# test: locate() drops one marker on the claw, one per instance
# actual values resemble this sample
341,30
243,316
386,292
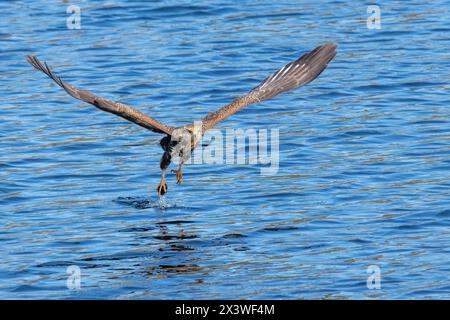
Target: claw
162,188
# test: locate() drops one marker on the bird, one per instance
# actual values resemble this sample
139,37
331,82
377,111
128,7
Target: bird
181,141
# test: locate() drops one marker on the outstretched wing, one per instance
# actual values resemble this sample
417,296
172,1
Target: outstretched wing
116,108
295,74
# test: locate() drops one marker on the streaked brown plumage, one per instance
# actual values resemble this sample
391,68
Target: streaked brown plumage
182,140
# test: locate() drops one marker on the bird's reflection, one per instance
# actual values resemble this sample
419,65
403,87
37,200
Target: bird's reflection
164,234
172,244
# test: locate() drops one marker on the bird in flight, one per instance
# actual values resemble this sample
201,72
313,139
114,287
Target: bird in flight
181,141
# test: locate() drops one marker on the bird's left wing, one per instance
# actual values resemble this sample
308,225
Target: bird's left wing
295,74
113,107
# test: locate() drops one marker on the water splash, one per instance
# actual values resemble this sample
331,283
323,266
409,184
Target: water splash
144,203
162,202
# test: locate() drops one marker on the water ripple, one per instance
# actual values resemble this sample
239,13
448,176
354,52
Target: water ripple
364,166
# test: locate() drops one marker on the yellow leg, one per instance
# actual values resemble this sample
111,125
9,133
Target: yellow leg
179,174
162,187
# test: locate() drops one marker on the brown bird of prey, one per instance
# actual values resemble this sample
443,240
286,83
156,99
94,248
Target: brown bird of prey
181,141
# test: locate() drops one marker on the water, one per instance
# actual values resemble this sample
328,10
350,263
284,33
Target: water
364,152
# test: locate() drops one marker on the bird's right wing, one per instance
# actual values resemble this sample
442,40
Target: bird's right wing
295,74
116,108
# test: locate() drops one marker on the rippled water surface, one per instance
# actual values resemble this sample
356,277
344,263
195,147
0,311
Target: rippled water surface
364,152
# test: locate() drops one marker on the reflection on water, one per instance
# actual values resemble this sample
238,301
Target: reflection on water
364,153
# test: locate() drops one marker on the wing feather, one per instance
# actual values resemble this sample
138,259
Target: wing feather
117,108
293,75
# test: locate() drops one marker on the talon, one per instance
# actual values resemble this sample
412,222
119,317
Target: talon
162,188
179,176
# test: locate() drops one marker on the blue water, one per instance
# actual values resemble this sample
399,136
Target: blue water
364,152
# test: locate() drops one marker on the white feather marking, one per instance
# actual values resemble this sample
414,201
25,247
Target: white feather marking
280,73
269,80
263,85
271,77
277,74
287,69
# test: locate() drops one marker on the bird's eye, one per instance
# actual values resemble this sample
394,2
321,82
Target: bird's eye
173,143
